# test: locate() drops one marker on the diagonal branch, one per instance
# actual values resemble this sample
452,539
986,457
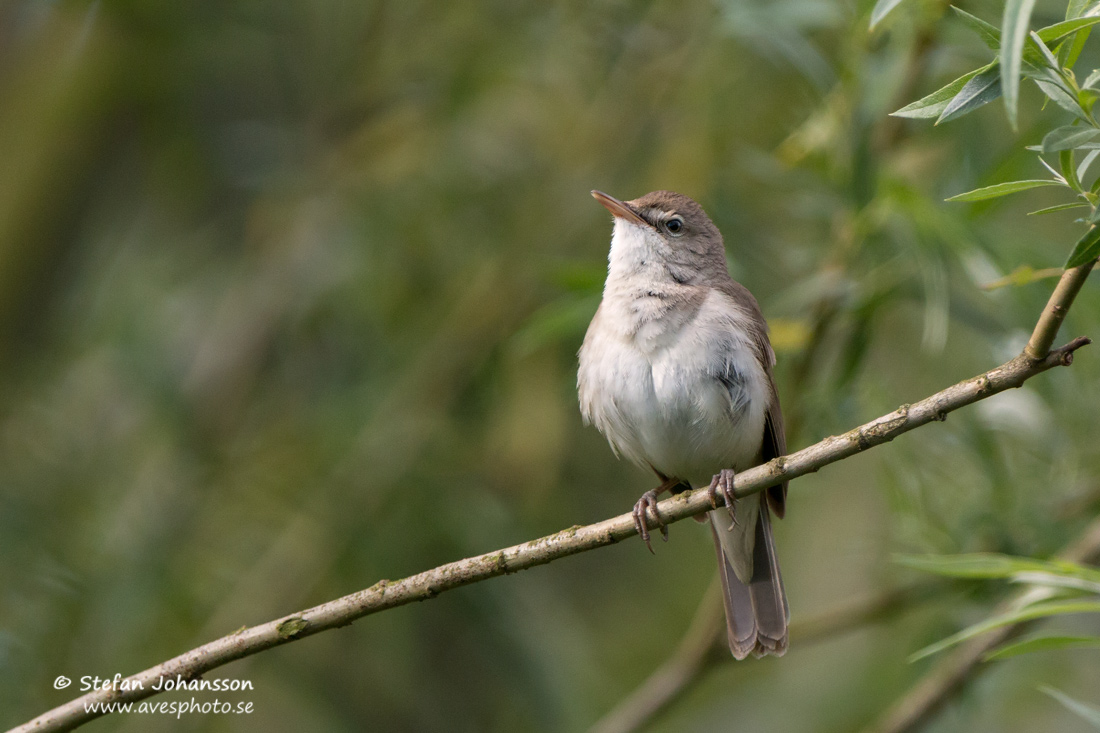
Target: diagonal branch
386,594
704,647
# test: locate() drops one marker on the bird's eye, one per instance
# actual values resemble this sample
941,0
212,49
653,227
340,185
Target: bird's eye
675,226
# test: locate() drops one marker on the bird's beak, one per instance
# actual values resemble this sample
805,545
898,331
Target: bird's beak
619,209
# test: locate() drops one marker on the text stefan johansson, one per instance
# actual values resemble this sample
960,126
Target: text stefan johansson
164,684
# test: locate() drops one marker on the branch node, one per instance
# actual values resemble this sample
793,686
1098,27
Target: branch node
292,627
778,466
498,562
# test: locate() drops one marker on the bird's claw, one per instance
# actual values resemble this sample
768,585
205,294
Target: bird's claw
648,501
722,483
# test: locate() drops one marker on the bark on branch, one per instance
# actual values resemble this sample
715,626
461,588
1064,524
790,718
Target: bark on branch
387,594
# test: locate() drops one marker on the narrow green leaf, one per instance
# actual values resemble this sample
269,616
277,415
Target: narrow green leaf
1083,169
994,565
1014,24
1083,710
935,103
1091,80
1054,88
1071,52
1059,207
1069,170
1046,54
1057,580
1056,174
1060,30
1023,275
980,90
1076,8
1030,613
1087,249
1042,644
881,10
986,31
1002,189
1068,137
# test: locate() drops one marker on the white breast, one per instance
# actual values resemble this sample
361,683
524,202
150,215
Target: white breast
650,385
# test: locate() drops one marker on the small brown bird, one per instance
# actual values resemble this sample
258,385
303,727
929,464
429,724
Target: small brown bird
676,372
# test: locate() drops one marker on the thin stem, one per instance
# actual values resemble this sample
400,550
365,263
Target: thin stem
1046,330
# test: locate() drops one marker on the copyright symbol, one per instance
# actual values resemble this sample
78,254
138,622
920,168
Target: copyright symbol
62,682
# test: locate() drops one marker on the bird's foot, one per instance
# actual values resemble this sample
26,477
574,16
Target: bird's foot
648,501
722,483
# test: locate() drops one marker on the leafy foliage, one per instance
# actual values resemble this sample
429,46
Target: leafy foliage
1027,54
290,298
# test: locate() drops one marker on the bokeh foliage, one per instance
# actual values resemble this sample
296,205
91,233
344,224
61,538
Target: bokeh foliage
290,296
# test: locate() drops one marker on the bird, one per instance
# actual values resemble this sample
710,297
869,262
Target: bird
676,371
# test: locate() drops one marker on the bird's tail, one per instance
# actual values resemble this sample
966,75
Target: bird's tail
757,614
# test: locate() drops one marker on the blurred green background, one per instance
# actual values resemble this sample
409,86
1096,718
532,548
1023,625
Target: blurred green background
290,300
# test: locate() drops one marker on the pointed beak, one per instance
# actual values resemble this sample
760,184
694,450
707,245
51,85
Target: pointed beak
619,209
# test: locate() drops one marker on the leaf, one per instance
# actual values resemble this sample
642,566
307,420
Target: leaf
973,565
881,10
1059,207
1069,171
1060,30
1073,51
1054,87
1014,24
1087,249
1042,644
1047,55
980,90
1056,174
1076,8
994,565
1068,137
1084,710
1084,167
1091,80
1023,275
1030,613
1055,580
935,103
987,31
1002,189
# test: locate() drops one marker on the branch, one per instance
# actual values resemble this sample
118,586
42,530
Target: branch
386,594
1050,320
704,647
950,676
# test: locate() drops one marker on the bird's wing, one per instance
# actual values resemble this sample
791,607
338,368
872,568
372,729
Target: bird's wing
775,439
